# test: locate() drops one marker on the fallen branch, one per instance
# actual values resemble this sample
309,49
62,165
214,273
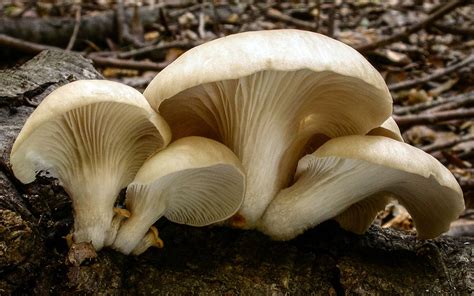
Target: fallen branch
440,146
441,104
280,16
35,48
433,76
450,6
95,28
431,118
158,47
455,30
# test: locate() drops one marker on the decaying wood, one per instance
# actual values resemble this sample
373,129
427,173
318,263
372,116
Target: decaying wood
57,31
213,261
100,61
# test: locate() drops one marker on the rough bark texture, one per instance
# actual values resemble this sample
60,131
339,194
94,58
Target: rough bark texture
212,261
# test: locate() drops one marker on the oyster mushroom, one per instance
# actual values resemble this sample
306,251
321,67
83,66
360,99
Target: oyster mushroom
194,181
93,135
265,94
366,170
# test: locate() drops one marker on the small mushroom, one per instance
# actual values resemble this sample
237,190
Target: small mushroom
194,181
93,135
359,216
265,94
368,169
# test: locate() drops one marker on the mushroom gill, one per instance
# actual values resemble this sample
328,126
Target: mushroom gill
93,136
264,95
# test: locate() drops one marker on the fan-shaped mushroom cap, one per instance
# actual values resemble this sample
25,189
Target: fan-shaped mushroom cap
348,170
359,216
194,181
264,94
93,135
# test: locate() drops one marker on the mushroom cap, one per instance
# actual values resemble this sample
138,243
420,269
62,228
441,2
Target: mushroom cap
264,95
194,181
205,179
243,54
93,135
388,129
354,169
72,96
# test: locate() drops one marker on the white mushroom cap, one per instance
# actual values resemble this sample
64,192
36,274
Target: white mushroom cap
194,181
388,129
93,135
264,95
353,169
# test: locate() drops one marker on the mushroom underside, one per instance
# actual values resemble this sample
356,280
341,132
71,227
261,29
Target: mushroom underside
94,151
328,186
268,117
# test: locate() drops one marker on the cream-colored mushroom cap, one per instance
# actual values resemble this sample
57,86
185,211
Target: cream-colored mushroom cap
93,135
194,181
388,129
264,94
349,170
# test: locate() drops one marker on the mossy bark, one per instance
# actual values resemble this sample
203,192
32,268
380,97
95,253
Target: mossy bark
35,218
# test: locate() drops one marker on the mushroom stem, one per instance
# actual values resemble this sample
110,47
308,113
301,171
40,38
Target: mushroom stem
91,223
132,231
135,228
338,187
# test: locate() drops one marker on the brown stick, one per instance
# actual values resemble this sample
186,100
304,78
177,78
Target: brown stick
433,76
75,31
280,16
455,30
158,47
34,48
440,146
450,6
431,118
441,104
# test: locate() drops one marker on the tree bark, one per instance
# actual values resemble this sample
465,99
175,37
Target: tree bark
326,260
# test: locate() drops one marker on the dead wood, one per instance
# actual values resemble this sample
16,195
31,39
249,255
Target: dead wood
57,31
99,61
431,118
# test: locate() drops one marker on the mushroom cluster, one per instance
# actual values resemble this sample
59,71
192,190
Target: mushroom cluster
278,130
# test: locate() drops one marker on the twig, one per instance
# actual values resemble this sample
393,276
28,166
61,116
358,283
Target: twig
128,64
431,118
157,47
34,48
280,16
77,25
331,19
454,30
450,6
24,46
440,146
202,24
433,76
440,104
